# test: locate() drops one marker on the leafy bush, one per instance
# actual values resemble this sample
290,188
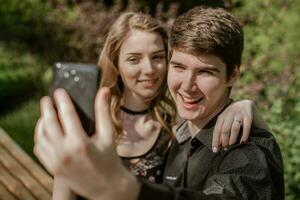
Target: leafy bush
19,75
86,23
271,75
31,23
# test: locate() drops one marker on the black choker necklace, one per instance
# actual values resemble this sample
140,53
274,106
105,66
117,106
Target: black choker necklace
133,112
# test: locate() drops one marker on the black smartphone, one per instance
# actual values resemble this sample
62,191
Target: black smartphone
81,81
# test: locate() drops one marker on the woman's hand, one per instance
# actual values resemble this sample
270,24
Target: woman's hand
236,115
89,166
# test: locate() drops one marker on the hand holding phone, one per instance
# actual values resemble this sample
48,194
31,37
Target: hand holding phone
81,81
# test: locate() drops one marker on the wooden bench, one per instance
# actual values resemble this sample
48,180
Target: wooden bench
20,176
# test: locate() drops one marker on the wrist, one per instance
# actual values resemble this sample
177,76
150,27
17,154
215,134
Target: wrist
130,188
125,186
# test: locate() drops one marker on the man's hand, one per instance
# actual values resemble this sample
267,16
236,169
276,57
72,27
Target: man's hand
89,166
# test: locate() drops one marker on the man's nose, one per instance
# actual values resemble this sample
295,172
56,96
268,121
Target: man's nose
188,83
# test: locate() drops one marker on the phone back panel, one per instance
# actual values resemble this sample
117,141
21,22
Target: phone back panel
81,81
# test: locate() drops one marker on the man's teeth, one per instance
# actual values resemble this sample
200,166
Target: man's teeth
191,100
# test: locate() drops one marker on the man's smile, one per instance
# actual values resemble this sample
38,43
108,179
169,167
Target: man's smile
190,102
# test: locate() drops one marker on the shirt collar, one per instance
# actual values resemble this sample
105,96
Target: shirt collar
182,132
204,135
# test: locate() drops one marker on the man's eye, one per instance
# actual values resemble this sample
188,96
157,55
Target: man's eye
205,72
178,67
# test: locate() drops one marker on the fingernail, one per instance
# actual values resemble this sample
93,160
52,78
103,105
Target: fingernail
59,94
59,91
215,149
225,149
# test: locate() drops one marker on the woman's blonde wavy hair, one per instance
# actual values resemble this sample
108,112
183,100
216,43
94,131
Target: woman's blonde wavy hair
162,105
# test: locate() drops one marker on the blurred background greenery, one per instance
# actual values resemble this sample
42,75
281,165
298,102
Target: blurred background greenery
36,33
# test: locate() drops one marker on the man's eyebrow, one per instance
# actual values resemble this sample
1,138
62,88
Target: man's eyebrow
210,68
176,63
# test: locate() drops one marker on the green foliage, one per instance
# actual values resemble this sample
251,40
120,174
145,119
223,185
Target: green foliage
33,24
36,33
271,75
20,123
21,19
286,129
19,74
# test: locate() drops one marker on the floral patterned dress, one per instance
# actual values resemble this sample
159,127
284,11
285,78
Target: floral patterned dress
152,163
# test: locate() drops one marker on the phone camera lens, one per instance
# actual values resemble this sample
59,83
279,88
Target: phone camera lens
66,74
58,65
73,71
76,78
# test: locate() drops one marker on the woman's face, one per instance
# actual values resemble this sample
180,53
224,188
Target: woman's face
142,64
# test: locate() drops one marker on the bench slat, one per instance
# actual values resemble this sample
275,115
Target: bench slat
13,185
5,195
22,175
34,169
21,178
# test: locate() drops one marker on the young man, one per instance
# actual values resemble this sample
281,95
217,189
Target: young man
205,55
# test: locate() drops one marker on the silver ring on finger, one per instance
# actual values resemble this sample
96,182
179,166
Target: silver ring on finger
239,121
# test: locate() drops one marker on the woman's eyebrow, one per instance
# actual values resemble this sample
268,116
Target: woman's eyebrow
133,53
155,52
159,51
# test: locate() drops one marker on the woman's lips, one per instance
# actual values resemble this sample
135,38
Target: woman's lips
148,83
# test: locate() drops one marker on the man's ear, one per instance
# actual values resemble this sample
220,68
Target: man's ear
234,76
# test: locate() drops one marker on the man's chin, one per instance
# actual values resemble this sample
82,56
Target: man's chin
191,116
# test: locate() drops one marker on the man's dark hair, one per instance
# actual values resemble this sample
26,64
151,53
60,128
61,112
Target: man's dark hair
204,30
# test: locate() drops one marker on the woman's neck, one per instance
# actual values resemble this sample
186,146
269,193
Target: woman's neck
134,102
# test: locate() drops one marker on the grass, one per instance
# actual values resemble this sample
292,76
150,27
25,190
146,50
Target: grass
20,123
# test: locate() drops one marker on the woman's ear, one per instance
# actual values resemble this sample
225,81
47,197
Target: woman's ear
234,76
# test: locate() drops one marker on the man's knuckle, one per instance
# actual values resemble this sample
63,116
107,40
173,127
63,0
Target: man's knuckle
235,128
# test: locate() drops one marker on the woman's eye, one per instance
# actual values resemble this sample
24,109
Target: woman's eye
133,60
159,57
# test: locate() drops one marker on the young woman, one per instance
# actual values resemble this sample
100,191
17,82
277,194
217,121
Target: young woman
134,66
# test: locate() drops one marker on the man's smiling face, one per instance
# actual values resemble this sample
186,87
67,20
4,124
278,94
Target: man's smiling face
198,84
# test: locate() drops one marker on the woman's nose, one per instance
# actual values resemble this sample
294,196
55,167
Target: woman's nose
148,66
